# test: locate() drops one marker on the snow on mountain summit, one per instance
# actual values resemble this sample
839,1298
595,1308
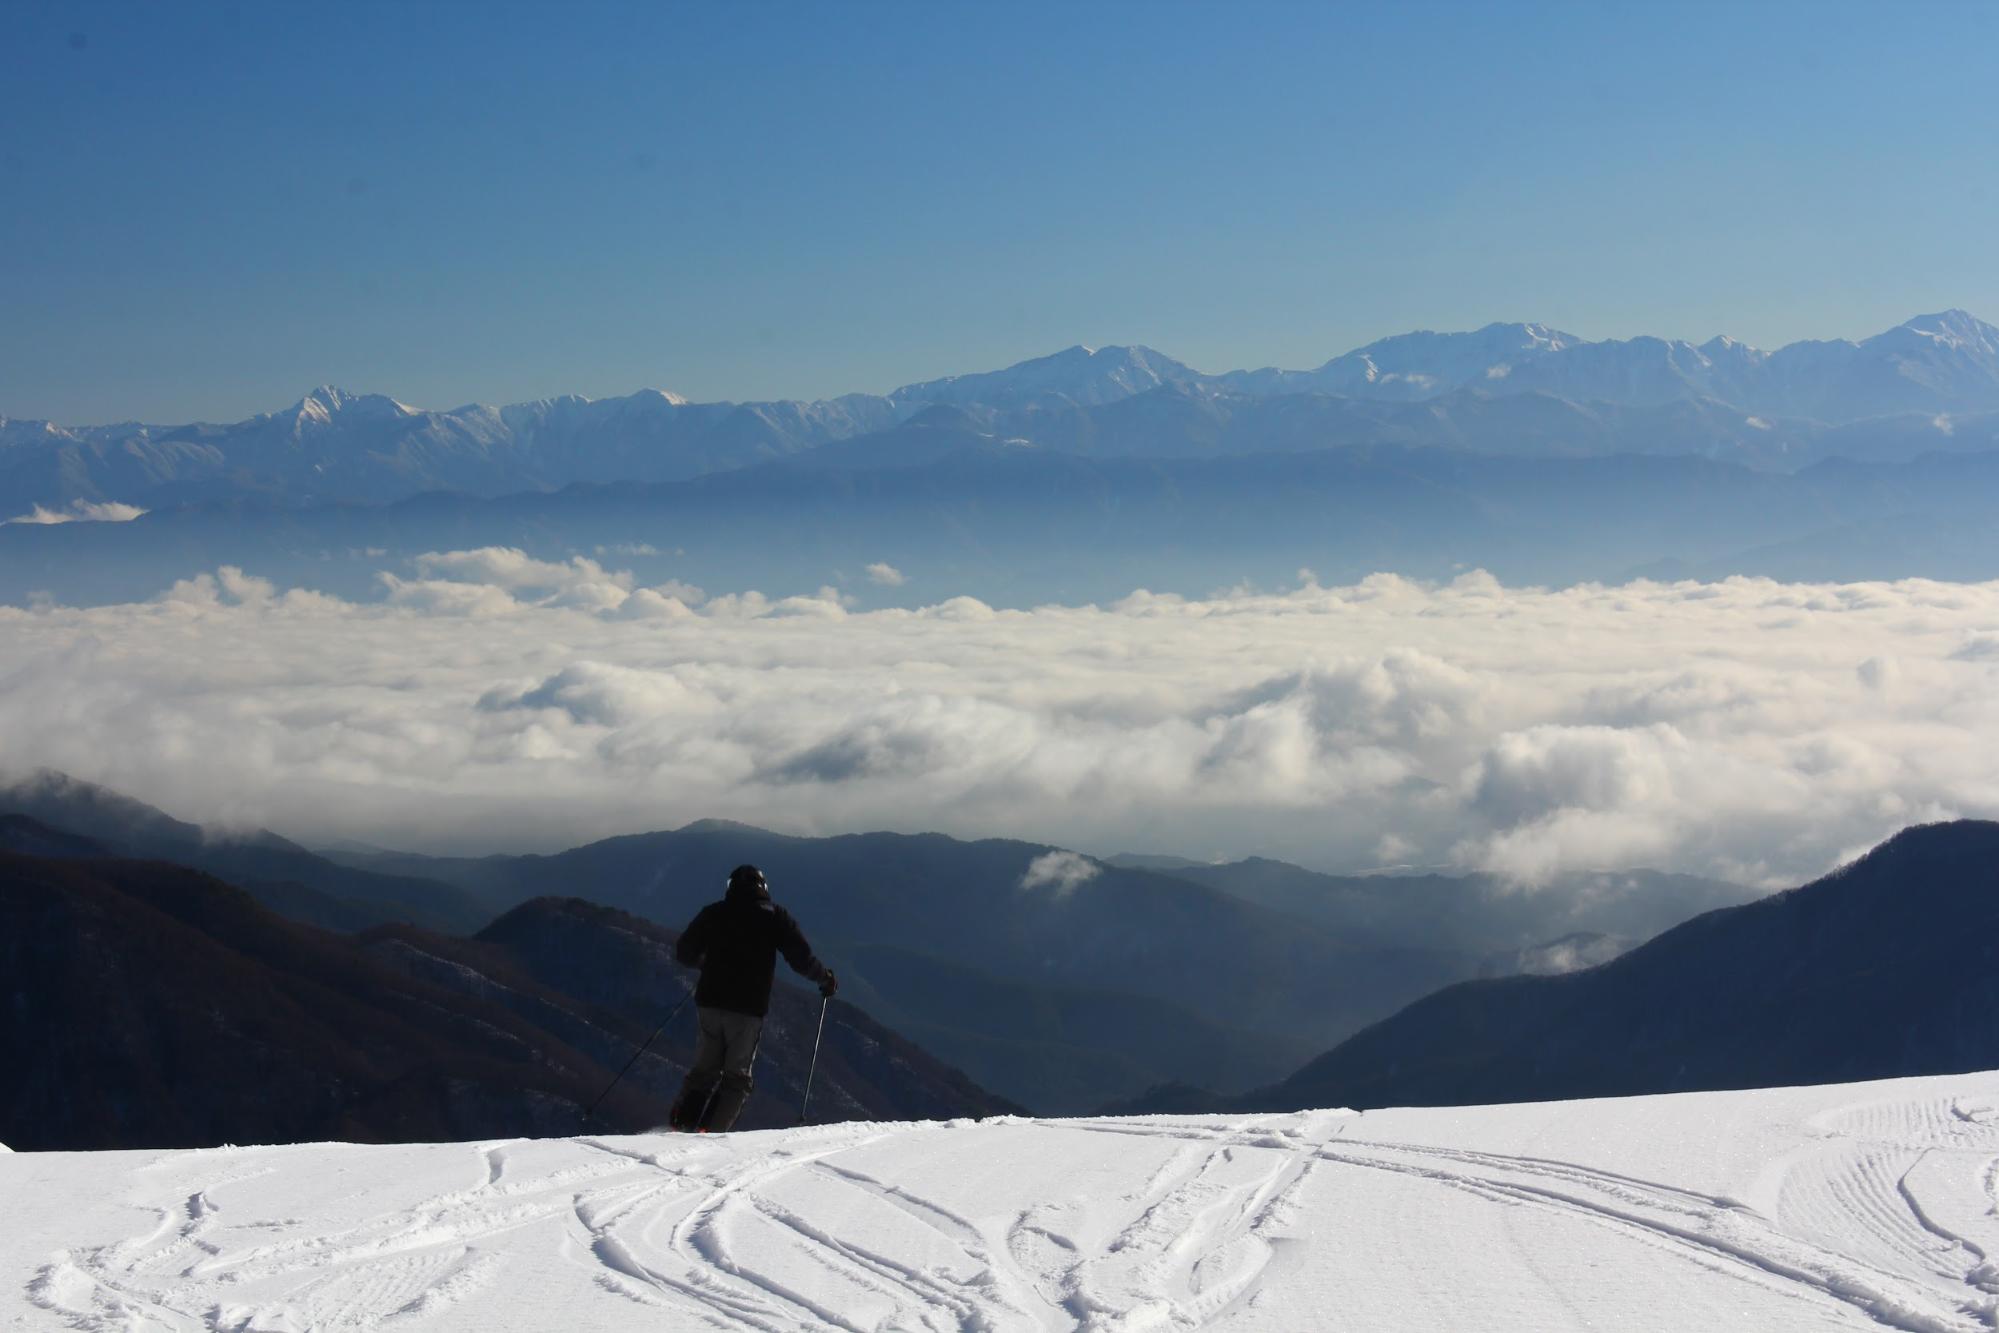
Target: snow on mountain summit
664,397
336,444
1413,366
326,402
1085,375
1957,332
1426,363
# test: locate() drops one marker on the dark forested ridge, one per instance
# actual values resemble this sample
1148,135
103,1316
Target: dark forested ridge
277,872
1888,967
154,1005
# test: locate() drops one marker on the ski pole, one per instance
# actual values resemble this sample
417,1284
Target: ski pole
636,1054
824,1000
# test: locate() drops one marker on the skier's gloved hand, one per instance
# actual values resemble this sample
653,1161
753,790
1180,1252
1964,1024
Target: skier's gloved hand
828,983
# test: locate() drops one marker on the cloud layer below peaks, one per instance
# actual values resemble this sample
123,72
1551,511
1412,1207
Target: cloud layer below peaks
1748,729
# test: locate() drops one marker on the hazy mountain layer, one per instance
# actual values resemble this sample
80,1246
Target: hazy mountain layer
1060,998
1476,913
1020,527
1067,995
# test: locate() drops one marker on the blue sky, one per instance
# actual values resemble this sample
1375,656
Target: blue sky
205,210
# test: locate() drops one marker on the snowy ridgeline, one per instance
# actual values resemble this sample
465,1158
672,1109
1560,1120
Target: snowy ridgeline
1864,1205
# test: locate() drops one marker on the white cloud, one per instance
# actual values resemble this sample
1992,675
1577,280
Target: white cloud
448,597
655,604
1392,851
230,586
1879,673
595,692
1745,729
82,511
580,581
1978,647
110,511
1061,872
885,574
486,581
958,608
41,515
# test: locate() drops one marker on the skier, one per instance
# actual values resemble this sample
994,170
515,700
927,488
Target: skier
735,943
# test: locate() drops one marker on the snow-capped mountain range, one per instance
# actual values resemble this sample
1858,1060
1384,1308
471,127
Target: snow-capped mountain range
1917,379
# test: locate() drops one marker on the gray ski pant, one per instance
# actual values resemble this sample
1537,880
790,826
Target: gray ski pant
719,1080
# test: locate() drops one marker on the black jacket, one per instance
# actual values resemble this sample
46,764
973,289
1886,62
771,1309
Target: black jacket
735,943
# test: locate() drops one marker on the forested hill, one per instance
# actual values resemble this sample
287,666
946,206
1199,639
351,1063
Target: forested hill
153,1005
1887,967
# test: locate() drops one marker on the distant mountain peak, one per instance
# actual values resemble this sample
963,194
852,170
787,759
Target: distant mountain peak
659,398
715,825
1085,375
1127,352
1919,842
1956,328
1540,336
77,806
326,402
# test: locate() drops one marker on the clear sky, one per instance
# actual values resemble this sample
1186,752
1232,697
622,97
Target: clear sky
206,210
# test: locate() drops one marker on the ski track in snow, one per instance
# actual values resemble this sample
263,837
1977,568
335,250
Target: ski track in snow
1880,1210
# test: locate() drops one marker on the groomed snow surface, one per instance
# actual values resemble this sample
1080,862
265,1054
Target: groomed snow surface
1862,1206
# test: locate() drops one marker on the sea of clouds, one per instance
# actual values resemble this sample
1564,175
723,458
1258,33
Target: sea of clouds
1748,730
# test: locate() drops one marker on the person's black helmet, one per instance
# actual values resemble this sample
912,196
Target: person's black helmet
748,881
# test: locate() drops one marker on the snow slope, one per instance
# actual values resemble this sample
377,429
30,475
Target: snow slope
1866,1205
